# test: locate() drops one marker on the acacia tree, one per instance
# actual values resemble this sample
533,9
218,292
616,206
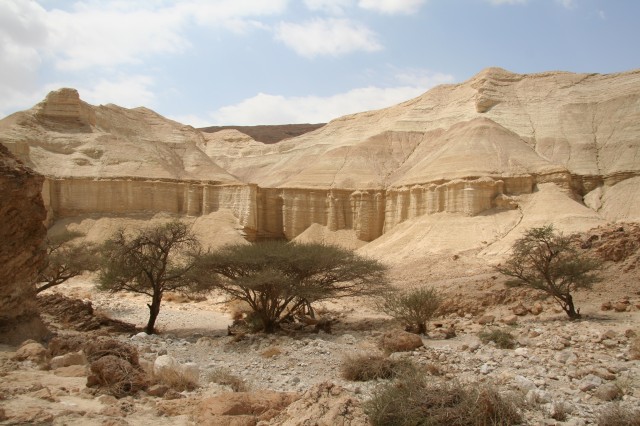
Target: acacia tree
278,277
67,258
152,261
414,307
550,262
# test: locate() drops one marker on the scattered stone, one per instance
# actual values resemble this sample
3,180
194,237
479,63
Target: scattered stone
589,382
523,383
620,307
32,351
520,310
606,306
536,309
523,352
486,319
510,320
71,371
73,358
157,390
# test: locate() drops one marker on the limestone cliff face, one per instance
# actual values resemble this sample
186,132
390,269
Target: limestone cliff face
474,148
22,252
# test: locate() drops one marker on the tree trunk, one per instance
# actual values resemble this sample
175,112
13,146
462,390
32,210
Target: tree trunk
570,308
154,310
422,328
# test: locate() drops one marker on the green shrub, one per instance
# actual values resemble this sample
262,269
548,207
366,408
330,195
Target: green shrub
414,307
502,339
414,400
363,368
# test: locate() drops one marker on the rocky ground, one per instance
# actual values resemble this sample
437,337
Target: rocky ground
578,368
565,373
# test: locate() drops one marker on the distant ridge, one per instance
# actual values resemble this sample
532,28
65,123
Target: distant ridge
269,133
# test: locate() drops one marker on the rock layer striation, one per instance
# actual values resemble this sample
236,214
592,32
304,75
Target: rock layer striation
468,149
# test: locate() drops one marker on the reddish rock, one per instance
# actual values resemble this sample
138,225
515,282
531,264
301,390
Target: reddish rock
536,309
519,310
22,252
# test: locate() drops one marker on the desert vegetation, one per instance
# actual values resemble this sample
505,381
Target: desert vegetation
414,307
415,399
548,261
280,279
67,257
152,261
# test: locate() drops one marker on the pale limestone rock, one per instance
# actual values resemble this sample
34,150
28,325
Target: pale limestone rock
537,145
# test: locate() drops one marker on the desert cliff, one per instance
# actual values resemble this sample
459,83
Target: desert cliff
22,252
479,149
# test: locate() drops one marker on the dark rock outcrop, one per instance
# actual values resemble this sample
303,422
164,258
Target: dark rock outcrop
22,249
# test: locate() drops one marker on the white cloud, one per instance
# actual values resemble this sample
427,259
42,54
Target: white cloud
392,6
125,91
192,120
336,7
107,36
98,36
568,4
22,32
275,109
501,2
333,37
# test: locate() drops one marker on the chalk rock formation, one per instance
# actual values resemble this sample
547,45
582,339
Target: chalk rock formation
479,146
475,149
108,159
22,251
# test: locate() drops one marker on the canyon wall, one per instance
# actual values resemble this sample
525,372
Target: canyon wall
22,252
287,212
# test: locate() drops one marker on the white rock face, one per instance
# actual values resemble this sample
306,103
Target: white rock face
474,149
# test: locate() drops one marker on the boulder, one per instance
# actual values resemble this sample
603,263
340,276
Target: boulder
324,404
72,358
31,351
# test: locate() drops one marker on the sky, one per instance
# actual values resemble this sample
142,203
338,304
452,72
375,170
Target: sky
250,62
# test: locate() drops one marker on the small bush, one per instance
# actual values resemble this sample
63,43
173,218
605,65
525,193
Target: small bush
224,377
176,379
102,347
502,339
415,400
362,368
414,308
615,415
116,376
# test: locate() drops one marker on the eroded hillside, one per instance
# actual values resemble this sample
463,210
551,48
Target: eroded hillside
498,152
